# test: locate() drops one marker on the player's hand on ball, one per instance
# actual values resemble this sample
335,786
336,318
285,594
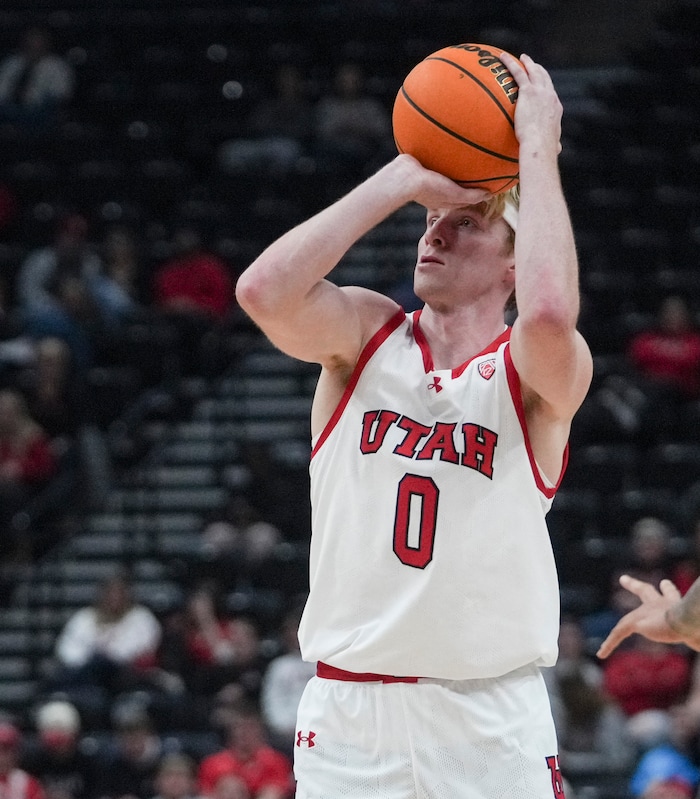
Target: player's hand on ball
538,111
433,190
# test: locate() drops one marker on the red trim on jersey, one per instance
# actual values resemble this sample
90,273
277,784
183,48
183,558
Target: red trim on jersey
428,363
331,673
492,347
517,395
370,348
422,343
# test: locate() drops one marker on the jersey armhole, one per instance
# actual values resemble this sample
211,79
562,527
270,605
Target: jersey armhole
544,485
370,348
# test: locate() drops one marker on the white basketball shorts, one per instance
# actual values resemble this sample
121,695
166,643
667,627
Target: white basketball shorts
426,738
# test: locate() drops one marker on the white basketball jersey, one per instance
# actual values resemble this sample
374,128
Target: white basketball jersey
430,555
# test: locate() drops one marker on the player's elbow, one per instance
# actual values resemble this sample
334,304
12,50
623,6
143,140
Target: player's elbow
255,294
554,318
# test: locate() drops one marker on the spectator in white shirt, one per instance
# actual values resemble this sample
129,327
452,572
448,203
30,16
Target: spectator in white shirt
35,82
108,646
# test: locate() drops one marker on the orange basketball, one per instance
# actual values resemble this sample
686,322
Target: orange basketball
454,113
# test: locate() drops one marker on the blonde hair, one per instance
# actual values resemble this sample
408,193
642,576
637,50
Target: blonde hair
506,205
496,204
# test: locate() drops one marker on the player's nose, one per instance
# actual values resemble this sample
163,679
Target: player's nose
437,233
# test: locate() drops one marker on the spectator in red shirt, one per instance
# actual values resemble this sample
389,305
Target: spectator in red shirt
194,281
193,292
668,354
266,772
15,783
644,678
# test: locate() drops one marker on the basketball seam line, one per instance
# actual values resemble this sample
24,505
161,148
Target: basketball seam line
476,80
453,133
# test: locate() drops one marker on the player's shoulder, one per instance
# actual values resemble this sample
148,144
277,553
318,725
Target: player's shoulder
374,309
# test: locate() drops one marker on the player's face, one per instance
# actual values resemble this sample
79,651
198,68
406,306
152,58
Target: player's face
462,256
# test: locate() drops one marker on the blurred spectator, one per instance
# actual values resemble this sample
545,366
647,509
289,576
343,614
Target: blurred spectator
56,397
193,293
176,777
647,676
666,770
591,729
15,781
592,733
240,534
266,772
668,354
35,83
107,647
650,555
194,282
61,400
56,758
210,647
279,130
231,787
27,463
573,656
353,128
53,289
129,769
225,708
649,559
116,288
283,684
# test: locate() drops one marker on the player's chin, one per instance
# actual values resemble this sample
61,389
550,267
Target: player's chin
426,286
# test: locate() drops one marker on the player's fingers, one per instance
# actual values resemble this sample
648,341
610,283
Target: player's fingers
669,590
622,630
515,67
476,195
536,71
645,591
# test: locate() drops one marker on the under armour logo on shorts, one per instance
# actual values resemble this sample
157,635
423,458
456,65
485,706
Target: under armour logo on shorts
307,740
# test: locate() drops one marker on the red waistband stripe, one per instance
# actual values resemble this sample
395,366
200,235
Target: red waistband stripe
331,673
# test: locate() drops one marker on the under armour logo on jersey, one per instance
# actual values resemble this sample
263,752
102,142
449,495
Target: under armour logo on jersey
307,740
487,368
436,384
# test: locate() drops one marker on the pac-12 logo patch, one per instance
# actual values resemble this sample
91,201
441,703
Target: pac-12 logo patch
487,368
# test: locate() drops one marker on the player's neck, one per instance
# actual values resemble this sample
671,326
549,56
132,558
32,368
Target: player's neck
458,335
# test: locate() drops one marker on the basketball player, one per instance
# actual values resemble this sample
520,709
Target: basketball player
663,615
439,440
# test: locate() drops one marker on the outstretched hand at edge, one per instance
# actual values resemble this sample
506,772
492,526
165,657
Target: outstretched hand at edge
651,619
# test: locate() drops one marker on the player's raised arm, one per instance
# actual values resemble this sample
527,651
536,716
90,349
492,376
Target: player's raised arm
284,290
551,357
